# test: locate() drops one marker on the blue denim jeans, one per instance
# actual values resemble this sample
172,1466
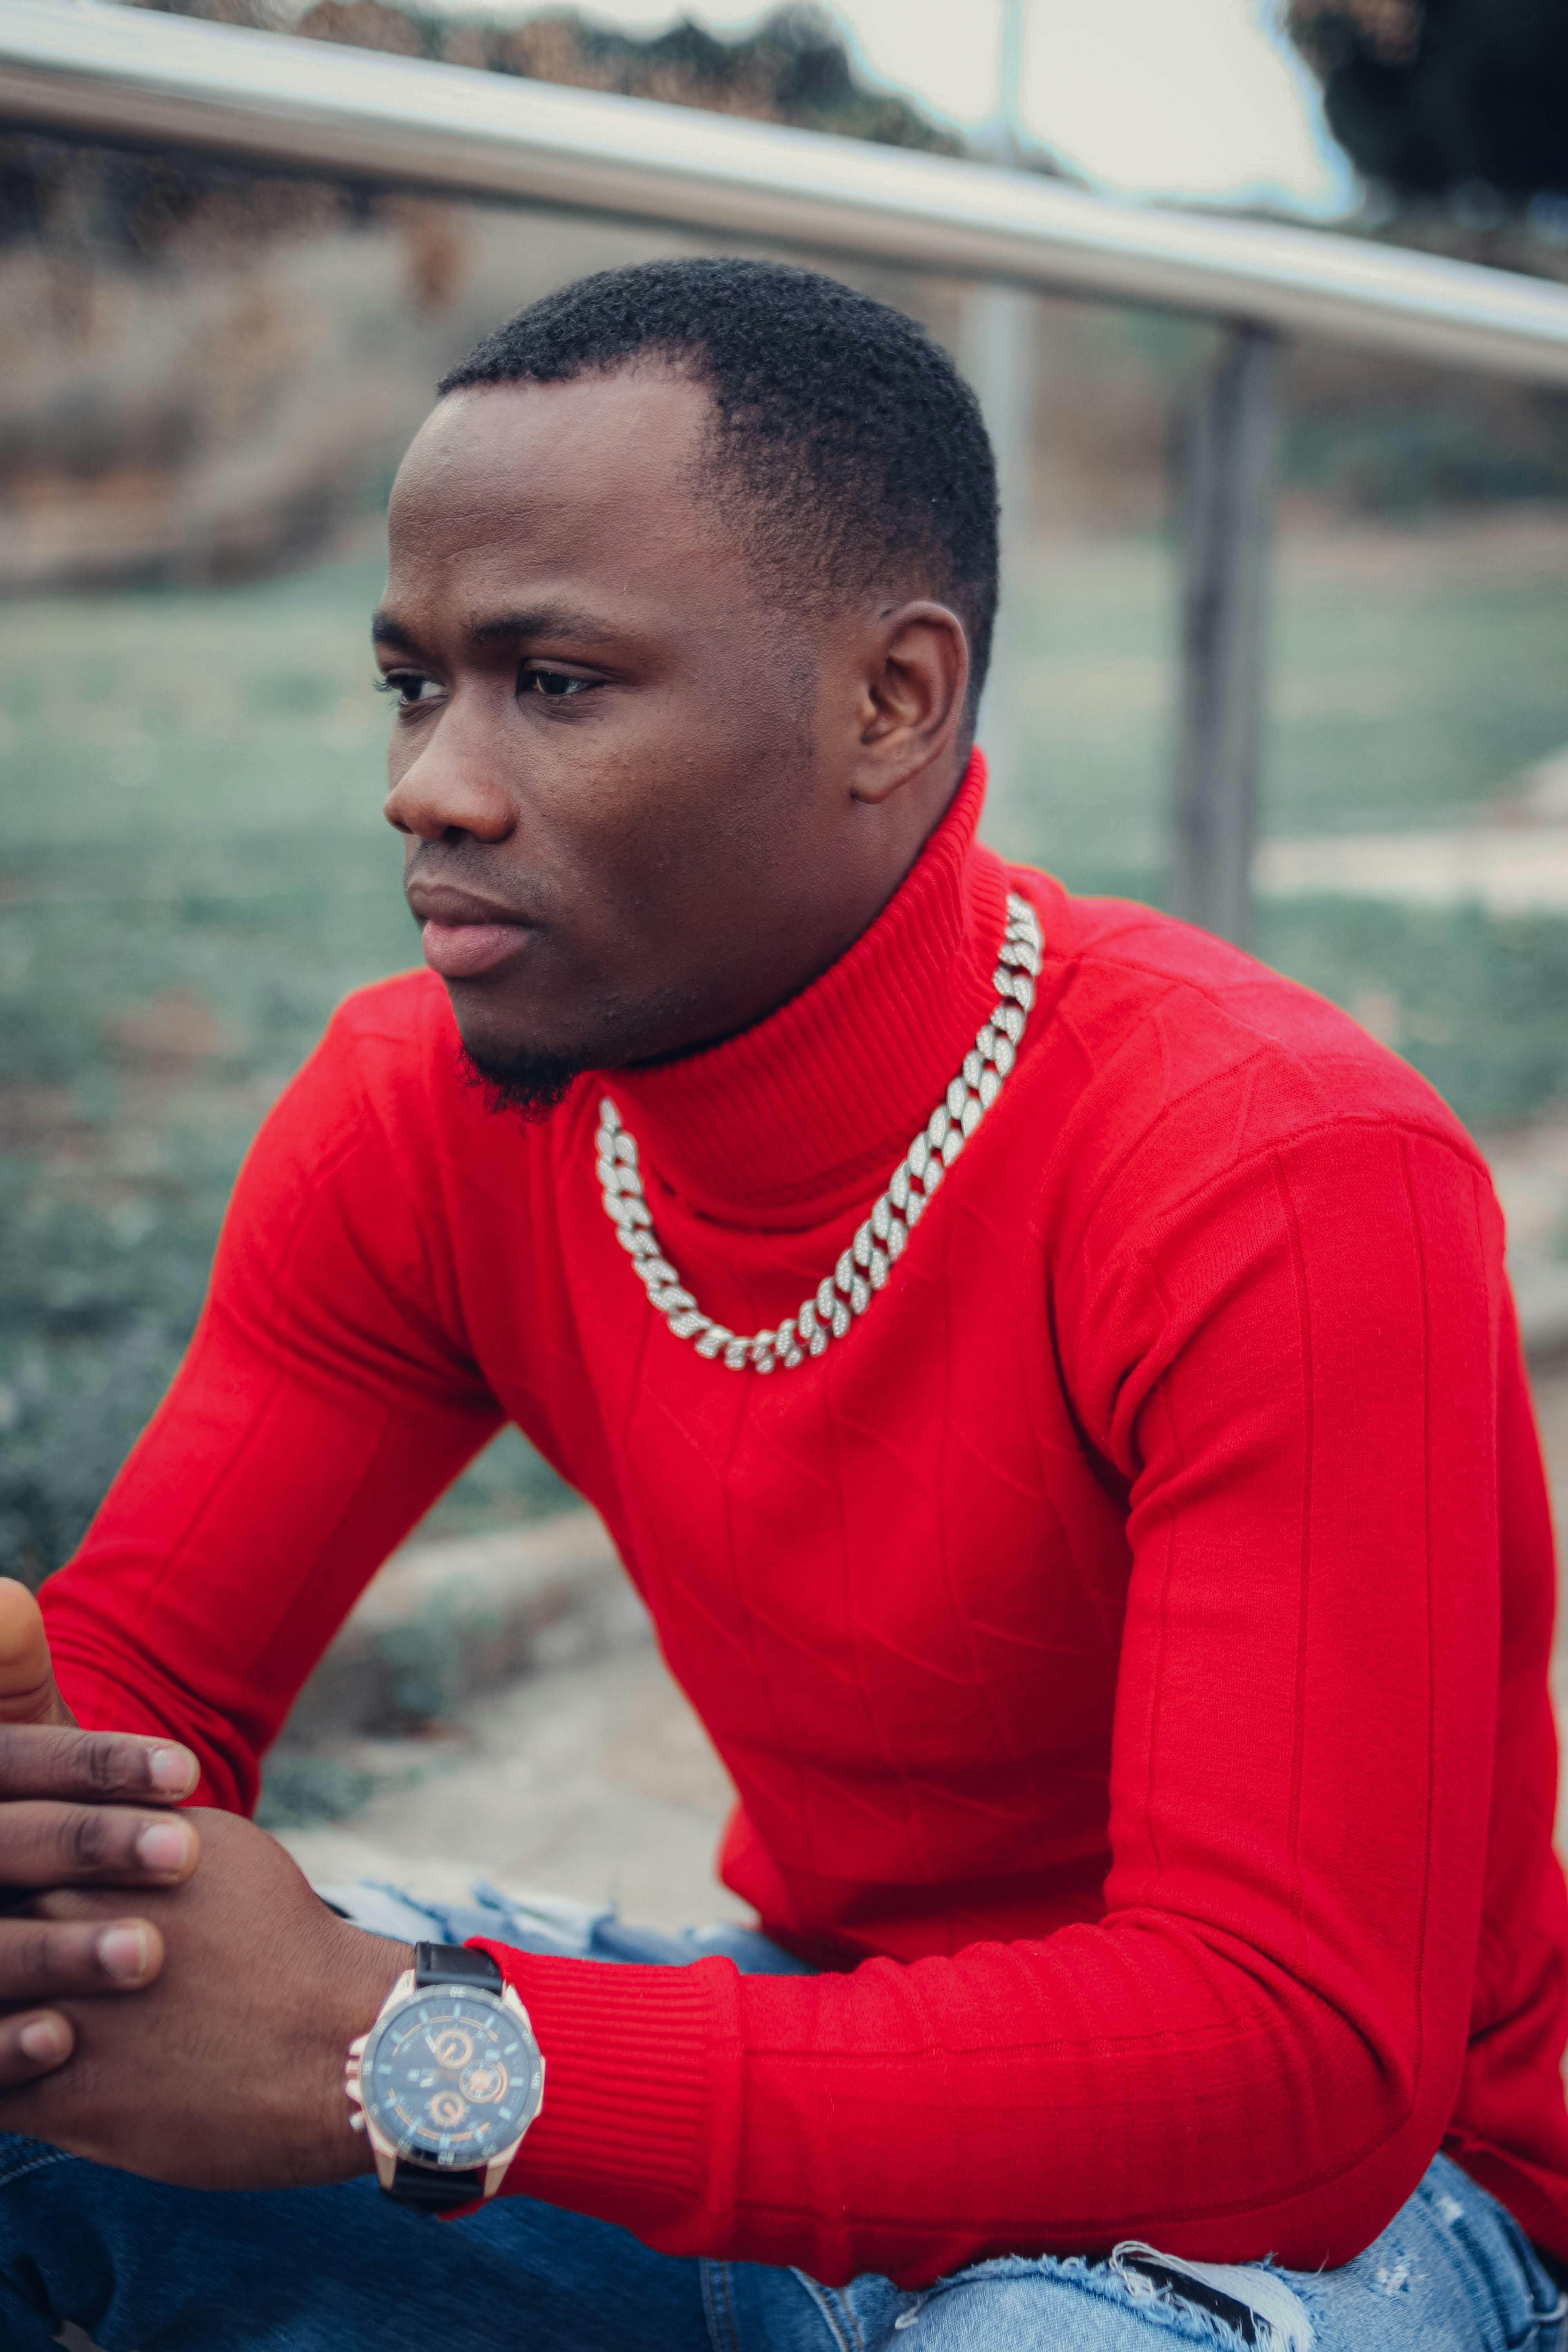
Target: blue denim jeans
142,2268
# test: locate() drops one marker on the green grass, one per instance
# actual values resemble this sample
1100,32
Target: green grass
194,869
1482,1003
1410,684
1401,693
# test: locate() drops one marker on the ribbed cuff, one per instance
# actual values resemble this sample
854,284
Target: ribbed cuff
642,2077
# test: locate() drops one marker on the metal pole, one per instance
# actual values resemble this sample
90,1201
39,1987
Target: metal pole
1231,459
133,74
998,357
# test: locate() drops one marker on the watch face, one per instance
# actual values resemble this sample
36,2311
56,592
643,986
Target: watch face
450,2077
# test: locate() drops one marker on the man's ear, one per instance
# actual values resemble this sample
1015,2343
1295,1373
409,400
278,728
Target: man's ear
913,699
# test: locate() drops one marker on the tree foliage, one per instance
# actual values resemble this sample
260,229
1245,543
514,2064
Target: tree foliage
793,67
1430,97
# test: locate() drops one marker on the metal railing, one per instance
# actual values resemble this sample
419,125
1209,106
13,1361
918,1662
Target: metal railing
132,77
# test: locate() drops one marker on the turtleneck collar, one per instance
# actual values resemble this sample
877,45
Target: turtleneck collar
783,1125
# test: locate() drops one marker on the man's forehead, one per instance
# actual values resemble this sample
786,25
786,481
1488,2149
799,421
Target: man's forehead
632,432
524,512
585,492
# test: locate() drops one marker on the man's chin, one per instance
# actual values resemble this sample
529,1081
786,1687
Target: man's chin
526,1085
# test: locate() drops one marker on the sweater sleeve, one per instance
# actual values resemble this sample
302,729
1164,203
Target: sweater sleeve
325,1400
1256,2047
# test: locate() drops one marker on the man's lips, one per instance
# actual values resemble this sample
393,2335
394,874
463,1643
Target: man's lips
462,950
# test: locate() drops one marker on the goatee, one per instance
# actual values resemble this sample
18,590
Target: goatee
526,1085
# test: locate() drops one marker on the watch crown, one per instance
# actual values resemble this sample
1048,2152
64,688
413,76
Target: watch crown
356,2047
356,2121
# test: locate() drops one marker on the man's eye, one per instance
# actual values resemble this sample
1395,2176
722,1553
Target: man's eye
554,684
410,689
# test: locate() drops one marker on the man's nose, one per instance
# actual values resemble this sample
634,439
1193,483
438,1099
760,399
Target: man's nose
453,785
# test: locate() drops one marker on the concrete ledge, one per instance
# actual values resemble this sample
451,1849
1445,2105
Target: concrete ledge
443,1621
1540,1288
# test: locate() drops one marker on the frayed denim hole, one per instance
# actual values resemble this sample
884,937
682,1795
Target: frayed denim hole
1185,2322
1165,2295
1016,2266
1257,2304
1394,2274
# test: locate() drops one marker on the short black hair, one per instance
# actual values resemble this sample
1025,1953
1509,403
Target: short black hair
845,434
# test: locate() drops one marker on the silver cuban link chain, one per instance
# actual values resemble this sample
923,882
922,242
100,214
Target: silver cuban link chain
863,1268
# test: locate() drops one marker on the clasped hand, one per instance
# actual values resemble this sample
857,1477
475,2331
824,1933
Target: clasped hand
225,2068
76,1809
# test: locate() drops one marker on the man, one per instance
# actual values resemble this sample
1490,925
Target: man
1053,1382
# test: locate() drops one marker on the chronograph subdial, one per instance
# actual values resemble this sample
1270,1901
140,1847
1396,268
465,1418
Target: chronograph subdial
486,2083
451,2048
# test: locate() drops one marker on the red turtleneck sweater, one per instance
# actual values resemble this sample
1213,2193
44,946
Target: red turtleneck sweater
1128,1644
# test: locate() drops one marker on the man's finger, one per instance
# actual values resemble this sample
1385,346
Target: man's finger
96,1845
56,1760
54,1960
28,1691
32,2045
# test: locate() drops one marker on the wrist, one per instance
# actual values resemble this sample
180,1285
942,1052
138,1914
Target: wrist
362,1971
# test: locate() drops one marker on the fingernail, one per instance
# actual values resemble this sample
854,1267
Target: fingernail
44,2040
172,1771
123,1953
164,1846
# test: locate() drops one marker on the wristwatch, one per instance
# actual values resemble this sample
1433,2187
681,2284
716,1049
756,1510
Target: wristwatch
447,2081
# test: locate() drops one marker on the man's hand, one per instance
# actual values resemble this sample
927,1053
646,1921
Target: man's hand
75,1807
228,2073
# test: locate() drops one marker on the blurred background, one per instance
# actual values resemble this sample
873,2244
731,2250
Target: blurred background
207,375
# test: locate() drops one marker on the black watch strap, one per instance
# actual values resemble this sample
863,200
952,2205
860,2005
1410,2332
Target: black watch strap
428,2188
454,1964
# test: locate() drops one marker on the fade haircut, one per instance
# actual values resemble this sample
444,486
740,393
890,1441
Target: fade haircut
845,448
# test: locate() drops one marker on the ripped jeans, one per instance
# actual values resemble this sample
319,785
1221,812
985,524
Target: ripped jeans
142,2268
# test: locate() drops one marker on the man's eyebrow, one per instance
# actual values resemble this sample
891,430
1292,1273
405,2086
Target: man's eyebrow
504,628
539,621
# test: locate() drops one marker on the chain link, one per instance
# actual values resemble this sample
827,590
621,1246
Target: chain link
882,1240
